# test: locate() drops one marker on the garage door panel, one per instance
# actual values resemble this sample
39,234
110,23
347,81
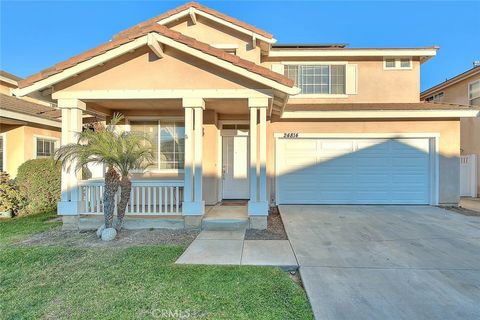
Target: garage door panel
351,171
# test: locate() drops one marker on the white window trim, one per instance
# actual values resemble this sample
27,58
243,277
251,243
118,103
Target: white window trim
469,92
37,136
158,119
4,137
397,63
319,95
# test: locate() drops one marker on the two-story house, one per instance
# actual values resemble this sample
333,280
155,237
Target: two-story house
233,115
463,89
29,127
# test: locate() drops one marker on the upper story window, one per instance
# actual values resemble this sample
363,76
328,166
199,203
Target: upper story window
436,97
474,93
167,137
397,63
317,78
45,147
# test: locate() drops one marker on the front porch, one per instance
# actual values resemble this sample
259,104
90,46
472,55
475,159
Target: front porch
194,183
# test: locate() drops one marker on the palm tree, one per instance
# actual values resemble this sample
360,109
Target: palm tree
120,151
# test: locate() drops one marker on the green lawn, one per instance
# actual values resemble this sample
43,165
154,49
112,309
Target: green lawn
17,228
136,282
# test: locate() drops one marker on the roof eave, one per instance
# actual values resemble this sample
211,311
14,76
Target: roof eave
139,42
460,77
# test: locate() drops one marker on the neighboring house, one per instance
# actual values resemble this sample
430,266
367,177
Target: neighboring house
29,128
462,89
235,116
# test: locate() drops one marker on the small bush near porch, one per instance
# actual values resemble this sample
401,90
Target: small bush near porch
135,282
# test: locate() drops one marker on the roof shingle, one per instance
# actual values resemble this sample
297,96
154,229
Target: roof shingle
26,107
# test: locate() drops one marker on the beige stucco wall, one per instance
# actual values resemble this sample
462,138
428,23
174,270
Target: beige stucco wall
449,144
19,142
458,92
374,84
143,70
216,34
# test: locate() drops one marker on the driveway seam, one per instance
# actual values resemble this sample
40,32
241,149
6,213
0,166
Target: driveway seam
394,268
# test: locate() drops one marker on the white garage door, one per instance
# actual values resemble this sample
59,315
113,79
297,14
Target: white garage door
353,171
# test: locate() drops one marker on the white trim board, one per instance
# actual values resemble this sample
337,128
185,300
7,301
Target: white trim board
352,135
165,94
362,114
420,52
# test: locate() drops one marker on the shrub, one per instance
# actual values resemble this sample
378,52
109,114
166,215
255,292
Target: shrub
10,197
39,183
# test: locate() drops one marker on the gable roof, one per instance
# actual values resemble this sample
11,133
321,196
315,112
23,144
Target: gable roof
178,37
460,77
199,7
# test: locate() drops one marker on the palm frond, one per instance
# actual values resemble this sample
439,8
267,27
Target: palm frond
109,145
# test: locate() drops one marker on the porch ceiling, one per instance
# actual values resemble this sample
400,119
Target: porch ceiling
222,106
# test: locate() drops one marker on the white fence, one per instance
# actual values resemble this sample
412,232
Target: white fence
148,197
468,176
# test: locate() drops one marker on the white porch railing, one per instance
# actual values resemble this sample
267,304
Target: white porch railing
148,197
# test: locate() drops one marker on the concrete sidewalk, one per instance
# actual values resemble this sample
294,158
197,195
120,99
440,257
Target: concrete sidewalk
230,248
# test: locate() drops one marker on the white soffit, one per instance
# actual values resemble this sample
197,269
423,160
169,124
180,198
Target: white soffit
421,52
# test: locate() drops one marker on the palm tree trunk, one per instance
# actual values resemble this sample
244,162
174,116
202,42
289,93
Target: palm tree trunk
125,190
111,186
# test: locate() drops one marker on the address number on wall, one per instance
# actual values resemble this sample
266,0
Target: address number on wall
290,135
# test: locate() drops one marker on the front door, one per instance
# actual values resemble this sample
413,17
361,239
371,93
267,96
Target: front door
235,167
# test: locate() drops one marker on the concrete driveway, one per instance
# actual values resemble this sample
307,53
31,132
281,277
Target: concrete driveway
387,262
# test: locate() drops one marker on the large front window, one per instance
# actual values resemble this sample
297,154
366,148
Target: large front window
168,142
317,79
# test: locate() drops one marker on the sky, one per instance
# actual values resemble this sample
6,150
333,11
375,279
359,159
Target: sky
34,35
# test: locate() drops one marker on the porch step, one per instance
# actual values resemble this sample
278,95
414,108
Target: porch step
470,203
225,218
224,224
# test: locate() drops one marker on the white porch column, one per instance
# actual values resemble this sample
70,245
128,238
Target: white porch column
71,126
193,204
199,156
188,172
258,204
253,155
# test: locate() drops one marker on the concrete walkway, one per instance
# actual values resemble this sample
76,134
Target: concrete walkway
387,262
230,248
